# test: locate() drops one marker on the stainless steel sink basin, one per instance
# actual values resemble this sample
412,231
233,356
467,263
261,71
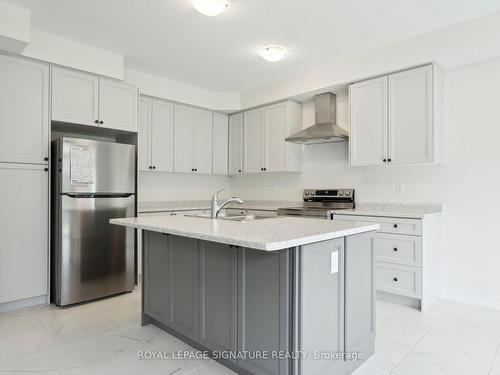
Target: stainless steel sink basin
232,217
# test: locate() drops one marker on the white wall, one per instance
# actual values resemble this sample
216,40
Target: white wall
170,186
467,185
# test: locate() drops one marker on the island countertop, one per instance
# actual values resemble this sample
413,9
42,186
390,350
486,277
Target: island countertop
269,234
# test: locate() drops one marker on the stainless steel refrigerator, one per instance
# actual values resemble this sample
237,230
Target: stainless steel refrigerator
92,182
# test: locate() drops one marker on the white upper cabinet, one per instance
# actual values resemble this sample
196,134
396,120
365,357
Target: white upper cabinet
117,105
202,148
162,136
183,138
220,141
85,99
156,135
282,120
395,119
75,97
254,141
368,118
236,144
411,117
144,134
24,111
265,130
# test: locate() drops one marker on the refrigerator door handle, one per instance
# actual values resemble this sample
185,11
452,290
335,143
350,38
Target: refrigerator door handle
97,195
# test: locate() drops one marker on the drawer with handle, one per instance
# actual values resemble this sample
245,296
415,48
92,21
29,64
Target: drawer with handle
396,279
387,224
399,249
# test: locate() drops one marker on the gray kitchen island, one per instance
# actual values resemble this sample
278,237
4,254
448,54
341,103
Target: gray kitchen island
274,296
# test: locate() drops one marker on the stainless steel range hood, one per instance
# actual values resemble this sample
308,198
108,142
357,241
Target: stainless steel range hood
325,130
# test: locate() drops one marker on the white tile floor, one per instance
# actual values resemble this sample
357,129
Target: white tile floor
104,338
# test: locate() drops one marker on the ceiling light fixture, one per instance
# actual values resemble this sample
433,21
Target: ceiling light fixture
211,7
273,53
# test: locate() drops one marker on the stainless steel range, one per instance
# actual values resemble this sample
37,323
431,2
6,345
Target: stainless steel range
319,202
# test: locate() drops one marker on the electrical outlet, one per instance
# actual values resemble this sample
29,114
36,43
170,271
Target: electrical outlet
400,188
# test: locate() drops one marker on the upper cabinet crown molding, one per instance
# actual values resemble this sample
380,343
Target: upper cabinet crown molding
396,119
85,99
24,111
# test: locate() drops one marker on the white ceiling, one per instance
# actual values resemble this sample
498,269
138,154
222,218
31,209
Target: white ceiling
168,38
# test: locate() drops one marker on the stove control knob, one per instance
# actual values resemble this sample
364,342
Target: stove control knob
347,193
341,193
306,193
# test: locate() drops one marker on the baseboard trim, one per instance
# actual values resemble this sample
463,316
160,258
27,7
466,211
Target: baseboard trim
471,298
23,303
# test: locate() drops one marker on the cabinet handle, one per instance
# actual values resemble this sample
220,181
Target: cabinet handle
395,249
46,159
46,169
239,170
395,225
389,160
385,160
395,279
96,121
196,169
101,122
154,167
150,167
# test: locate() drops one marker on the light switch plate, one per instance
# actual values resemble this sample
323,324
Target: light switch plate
334,262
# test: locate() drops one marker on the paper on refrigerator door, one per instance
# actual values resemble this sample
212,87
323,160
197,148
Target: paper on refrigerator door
82,169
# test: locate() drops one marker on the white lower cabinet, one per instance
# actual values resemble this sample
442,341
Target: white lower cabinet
24,231
407,254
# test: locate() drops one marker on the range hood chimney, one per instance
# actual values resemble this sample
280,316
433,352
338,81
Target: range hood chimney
325,129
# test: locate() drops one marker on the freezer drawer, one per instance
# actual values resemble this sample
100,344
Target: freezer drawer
93,258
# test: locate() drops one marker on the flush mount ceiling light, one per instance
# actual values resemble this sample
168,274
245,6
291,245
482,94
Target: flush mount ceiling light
273,53
211,7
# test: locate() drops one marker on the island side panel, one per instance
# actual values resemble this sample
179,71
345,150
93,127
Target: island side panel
360,293
218,296
264,307
320,295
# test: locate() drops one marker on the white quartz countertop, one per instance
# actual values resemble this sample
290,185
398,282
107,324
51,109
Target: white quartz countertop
268,234
410,211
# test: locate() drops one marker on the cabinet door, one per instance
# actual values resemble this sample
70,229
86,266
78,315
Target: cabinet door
156,268
275,146
410,117
117,105
253,139
202,148
236,144
368,117
359,293
162,139
144,135
263,308
24,231
183,138
220,144
24,111
183,284
321,308
218,296
75,97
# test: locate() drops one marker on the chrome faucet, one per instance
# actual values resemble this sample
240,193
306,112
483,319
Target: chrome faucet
215,203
